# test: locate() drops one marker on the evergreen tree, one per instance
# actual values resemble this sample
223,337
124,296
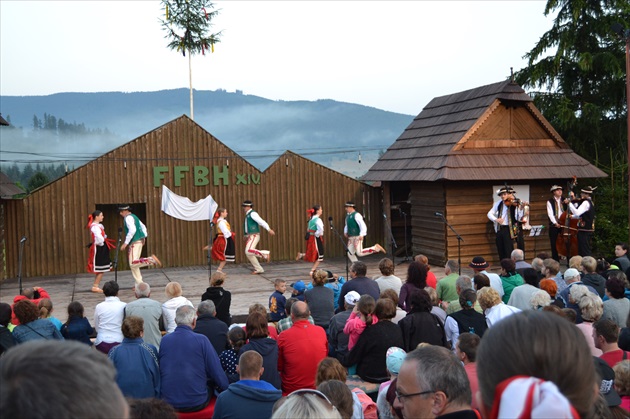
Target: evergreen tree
188,23
37,180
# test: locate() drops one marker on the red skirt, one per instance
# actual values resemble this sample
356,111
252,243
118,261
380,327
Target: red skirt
314,249
223,250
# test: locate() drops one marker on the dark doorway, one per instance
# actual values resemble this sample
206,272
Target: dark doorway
401,218
113,221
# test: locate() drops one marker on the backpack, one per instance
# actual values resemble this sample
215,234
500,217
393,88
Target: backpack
369,407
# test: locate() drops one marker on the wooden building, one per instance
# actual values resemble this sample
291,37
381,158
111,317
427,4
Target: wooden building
454,156
191,163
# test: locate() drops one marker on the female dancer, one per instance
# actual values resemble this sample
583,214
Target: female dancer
223,248
315,238
98,259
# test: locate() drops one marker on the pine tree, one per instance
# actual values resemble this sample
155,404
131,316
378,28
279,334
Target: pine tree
188,23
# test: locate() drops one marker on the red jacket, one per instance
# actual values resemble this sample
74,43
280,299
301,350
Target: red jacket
42,294
300,349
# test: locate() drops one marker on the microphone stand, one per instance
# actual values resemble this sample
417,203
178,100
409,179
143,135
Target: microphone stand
459,241
343,243
20,257
209,256
392,240
117,251
404,214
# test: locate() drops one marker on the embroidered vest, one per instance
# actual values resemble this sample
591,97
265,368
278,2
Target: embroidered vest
353,226
139,235
219,232
554,205
588,216
251,226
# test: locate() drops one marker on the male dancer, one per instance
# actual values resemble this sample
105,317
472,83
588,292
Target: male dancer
135,235
555,208
507,225
253,222
585,210
355,230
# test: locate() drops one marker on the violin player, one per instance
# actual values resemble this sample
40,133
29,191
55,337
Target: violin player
584,209
555,208
507,214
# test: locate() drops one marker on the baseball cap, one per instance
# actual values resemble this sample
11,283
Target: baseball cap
299,286
352,298
571,273
394,358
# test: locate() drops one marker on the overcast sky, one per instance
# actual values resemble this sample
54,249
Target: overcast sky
390,55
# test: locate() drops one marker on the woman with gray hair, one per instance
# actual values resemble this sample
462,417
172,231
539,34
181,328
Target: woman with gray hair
175,300
592,308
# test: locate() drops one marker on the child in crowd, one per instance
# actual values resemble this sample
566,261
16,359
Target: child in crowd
45,307
394,359
277,301
361,317
229,357
298,290
77,327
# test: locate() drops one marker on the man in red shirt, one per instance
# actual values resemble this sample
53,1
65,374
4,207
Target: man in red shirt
605,335
300,349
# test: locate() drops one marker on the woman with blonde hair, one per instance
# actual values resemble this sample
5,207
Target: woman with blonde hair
45,307
175,300
320,299
493,307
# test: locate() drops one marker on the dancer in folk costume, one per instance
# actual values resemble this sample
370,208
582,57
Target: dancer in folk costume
355,231
223,249
314,238
135,236
98,259
253,222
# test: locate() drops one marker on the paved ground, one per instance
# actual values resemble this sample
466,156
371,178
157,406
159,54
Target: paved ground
246,288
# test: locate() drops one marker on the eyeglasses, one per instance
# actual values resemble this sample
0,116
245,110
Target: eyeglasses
400,396
314,392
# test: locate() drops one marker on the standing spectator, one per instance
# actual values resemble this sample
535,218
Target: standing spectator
300,350
359,282
522,294
251,396
108,318
337,339
480,266
136,362
221,298
617,307
77,327
416,280
258,340
135,238
493,308
45,307
29,293
509,278
420,325
189,365
175,300
605,335
320,300
31,327
6,337
466,351
387,278
622,259
446,286
431,279
466,320
208,325
277,300
151,312
592,278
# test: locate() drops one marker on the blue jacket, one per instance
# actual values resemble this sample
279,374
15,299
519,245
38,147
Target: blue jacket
137,369
268,349
187,363
35,330
79,329
246,399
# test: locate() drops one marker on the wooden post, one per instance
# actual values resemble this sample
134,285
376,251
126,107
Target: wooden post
192,112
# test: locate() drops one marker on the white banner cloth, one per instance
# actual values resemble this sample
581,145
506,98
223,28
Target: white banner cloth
183,208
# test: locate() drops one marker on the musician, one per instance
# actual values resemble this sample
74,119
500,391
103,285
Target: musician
584,209
506,214
555,208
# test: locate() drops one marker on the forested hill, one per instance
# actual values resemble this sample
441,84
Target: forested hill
329,132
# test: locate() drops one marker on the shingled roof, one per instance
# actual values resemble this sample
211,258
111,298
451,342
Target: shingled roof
492,132
8,189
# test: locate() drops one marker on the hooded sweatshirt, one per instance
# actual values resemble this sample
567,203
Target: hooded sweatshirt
247,399
268,349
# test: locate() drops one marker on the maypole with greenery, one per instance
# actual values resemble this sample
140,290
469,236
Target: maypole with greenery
188,24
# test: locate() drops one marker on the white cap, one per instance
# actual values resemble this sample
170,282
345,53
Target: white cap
571,273
352,298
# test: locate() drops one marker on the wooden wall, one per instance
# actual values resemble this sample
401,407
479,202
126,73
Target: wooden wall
428,235
54,216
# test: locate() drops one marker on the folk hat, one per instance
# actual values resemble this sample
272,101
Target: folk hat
505,189
478,262
123,208
349,204
555,188
247,203
589,189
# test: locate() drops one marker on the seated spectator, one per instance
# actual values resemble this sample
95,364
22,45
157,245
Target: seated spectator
340,396
286,323
337,339
572,278
108,318
277,301
622,258
605,335
420,325
431,279
331,369
467,320
334,282
466,351
259,308
462,283
305,404
258,340
493,308
480,281
361,317
510,279
591,309
369,354
518,256
79,382
6,337
45,307
416,280
617,307
537,265
446,286
550,286
575,262
394,359
35,294
400,313
480,266
388,280
299,287
151,408
539,300
250,397
175,300
551,271
229,357
435,303
136,362
507,360
359,282
208,325
77,327
221,298
622,382
592,278
30,326
151,312
521,295
189,365
320,300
